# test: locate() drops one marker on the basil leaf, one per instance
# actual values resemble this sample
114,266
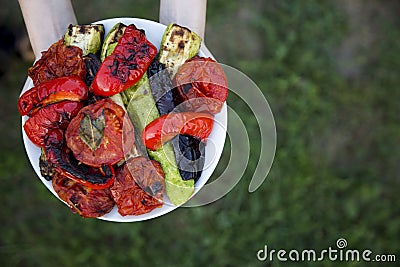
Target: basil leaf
91,130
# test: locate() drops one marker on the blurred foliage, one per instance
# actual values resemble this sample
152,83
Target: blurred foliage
329,70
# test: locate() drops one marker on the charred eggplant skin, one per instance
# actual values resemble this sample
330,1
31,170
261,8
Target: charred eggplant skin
162,87
92,63
189,153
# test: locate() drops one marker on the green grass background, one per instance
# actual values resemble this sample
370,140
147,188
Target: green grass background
330,71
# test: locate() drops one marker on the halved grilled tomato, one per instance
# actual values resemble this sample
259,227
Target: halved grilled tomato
138,187
58,61
202,85
100,134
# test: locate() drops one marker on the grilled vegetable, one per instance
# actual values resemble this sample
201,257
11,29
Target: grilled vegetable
89,38
189,154
54,116
142,109
101,133
111,40
56,90
162,88
166,127
60,159
47,169
86,37
58,61
126,64
178,190
138,187
92,63
202,85
86,201
178,44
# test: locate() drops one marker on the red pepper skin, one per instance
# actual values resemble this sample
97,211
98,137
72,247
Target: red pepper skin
166,127
27,101
53,116
87,202
126,65
56,90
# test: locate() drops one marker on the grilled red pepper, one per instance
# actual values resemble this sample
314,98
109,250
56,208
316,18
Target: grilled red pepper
56,90
166,127
87,202
50,117
126,65
109,175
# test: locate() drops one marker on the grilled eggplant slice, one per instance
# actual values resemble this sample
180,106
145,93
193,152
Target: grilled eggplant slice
92,63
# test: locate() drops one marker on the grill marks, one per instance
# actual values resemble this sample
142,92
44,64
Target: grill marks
114,67
127,61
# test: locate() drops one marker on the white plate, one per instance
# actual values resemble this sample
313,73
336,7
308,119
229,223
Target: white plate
154,32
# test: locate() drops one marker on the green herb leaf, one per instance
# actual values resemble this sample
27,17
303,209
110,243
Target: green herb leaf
91,130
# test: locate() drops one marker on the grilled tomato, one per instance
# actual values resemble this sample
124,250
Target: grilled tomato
202,85
100,134
138,186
